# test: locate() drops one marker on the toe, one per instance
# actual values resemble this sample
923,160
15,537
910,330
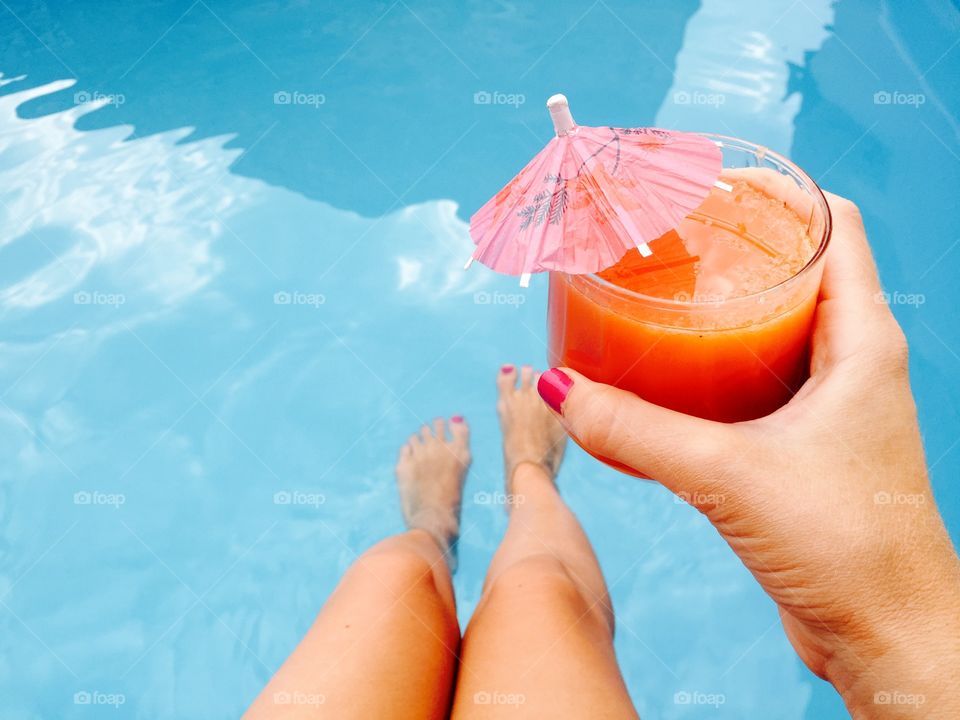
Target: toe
426,434
439,430
506,379
461,439
460,431
526,376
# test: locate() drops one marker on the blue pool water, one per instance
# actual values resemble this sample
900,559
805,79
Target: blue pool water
211,295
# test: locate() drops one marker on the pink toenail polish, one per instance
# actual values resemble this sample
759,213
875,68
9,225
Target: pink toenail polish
553,388
506,369
457,419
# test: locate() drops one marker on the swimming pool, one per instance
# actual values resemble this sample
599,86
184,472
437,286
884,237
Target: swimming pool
230,287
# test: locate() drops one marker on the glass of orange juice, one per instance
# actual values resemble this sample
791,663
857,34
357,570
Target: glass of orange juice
716,322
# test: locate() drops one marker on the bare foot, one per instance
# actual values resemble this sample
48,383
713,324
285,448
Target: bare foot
530,432
430,475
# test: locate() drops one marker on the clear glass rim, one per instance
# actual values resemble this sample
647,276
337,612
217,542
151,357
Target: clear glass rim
816,193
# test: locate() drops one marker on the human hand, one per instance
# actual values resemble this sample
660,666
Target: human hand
826,501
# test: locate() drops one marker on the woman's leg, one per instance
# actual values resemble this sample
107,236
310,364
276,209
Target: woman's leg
540,643
385,644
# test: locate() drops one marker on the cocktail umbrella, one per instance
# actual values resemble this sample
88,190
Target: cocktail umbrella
592,194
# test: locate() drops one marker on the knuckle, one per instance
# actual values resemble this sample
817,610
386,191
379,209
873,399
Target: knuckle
712,457
884,345
845,209
715,452
598,428
894,351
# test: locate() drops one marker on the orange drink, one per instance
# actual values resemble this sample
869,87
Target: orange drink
716,323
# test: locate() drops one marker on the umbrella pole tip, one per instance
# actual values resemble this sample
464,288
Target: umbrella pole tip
560,114
557,100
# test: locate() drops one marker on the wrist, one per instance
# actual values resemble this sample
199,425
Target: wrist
905,666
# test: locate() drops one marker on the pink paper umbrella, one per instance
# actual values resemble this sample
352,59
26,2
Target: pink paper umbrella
591,195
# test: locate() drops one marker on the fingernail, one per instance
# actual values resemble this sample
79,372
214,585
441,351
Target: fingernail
506,368
553,387
457,419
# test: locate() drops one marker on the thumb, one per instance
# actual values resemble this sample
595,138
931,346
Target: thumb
680,451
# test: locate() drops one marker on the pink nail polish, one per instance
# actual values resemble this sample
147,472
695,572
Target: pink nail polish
553,388
506,369
457,419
